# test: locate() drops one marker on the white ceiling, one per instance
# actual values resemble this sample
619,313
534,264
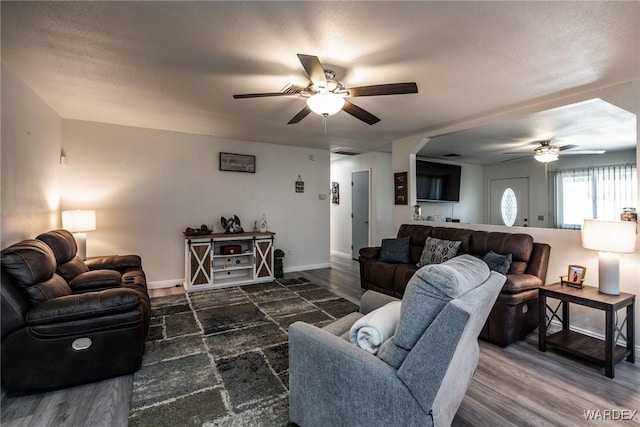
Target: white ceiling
592,125
176,65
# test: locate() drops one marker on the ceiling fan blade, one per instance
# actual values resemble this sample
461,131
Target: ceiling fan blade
259,95
578,152
301,115
384,89
568,147
359,113
514,158
313,67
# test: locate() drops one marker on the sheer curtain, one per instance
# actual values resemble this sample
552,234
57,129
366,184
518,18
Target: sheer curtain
594,193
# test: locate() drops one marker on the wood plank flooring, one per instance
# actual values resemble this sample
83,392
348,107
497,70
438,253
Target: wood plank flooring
516,386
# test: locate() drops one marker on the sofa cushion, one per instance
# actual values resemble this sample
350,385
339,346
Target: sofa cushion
380,273
28,262
428,291
498,262
96,280
437,251
395,251
403,274
71,269
62,243
52,288
418,234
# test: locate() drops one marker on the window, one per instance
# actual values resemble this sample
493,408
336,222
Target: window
594,193
509,207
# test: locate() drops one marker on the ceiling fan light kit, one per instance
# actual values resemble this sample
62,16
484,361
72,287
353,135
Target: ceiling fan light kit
325,96
325,103
546,153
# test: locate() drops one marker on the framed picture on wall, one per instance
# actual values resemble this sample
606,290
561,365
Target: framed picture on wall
400,188
237,162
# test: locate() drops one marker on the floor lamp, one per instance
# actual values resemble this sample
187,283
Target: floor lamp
609,238
79,222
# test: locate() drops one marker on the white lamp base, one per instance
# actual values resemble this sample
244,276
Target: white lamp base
81,241
609,273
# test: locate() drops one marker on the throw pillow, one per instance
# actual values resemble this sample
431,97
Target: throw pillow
437,251
498,262
395,251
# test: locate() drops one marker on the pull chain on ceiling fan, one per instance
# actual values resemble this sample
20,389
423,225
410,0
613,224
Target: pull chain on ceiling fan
326,96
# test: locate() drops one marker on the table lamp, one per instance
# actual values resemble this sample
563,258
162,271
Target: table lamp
610,238
78,222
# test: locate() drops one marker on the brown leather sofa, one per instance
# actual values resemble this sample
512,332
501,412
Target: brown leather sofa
515,313
66,321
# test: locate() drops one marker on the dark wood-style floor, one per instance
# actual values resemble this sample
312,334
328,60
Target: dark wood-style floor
516,386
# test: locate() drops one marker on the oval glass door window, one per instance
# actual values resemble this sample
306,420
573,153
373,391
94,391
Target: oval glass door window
509,207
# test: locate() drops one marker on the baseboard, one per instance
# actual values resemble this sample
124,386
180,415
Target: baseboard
161,284
306,267
599,336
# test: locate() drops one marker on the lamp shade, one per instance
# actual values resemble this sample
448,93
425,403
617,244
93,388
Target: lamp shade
609,236
79,221
325,103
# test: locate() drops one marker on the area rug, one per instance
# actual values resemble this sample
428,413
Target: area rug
220,357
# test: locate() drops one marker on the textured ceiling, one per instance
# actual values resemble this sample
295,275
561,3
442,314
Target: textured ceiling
176,65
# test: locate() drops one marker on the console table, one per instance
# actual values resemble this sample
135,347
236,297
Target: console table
605,352
219,260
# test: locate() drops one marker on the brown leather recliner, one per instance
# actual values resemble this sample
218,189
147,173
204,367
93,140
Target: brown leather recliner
514,314
66,322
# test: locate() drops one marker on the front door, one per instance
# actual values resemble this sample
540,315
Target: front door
359,212
509,202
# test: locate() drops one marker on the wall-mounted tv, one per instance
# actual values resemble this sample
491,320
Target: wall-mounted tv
437,182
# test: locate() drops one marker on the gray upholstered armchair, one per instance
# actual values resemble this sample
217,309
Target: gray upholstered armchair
419,376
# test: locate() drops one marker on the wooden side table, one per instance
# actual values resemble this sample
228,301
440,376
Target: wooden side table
593,349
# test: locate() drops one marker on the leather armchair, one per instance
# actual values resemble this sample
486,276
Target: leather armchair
66,322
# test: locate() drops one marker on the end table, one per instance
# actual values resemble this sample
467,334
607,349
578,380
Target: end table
581,345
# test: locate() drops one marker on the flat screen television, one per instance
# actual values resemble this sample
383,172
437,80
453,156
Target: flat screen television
437,182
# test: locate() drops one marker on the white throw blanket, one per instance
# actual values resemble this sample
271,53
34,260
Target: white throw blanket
370,331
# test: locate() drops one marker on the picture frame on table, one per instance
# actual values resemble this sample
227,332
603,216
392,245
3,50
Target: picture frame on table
575,276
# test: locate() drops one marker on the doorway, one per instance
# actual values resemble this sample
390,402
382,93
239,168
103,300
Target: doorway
509,202
359,212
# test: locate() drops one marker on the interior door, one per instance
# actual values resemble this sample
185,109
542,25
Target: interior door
359,212
509,202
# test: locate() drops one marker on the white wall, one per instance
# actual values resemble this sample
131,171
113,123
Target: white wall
148,185
380,200
469,208
30,152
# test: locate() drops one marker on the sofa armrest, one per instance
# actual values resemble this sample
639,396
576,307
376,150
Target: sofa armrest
83,306
539,261
372,300
326,372
119,263
370,252
521,282
95,280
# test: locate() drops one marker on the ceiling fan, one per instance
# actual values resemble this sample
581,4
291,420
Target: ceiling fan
326,96
544,152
